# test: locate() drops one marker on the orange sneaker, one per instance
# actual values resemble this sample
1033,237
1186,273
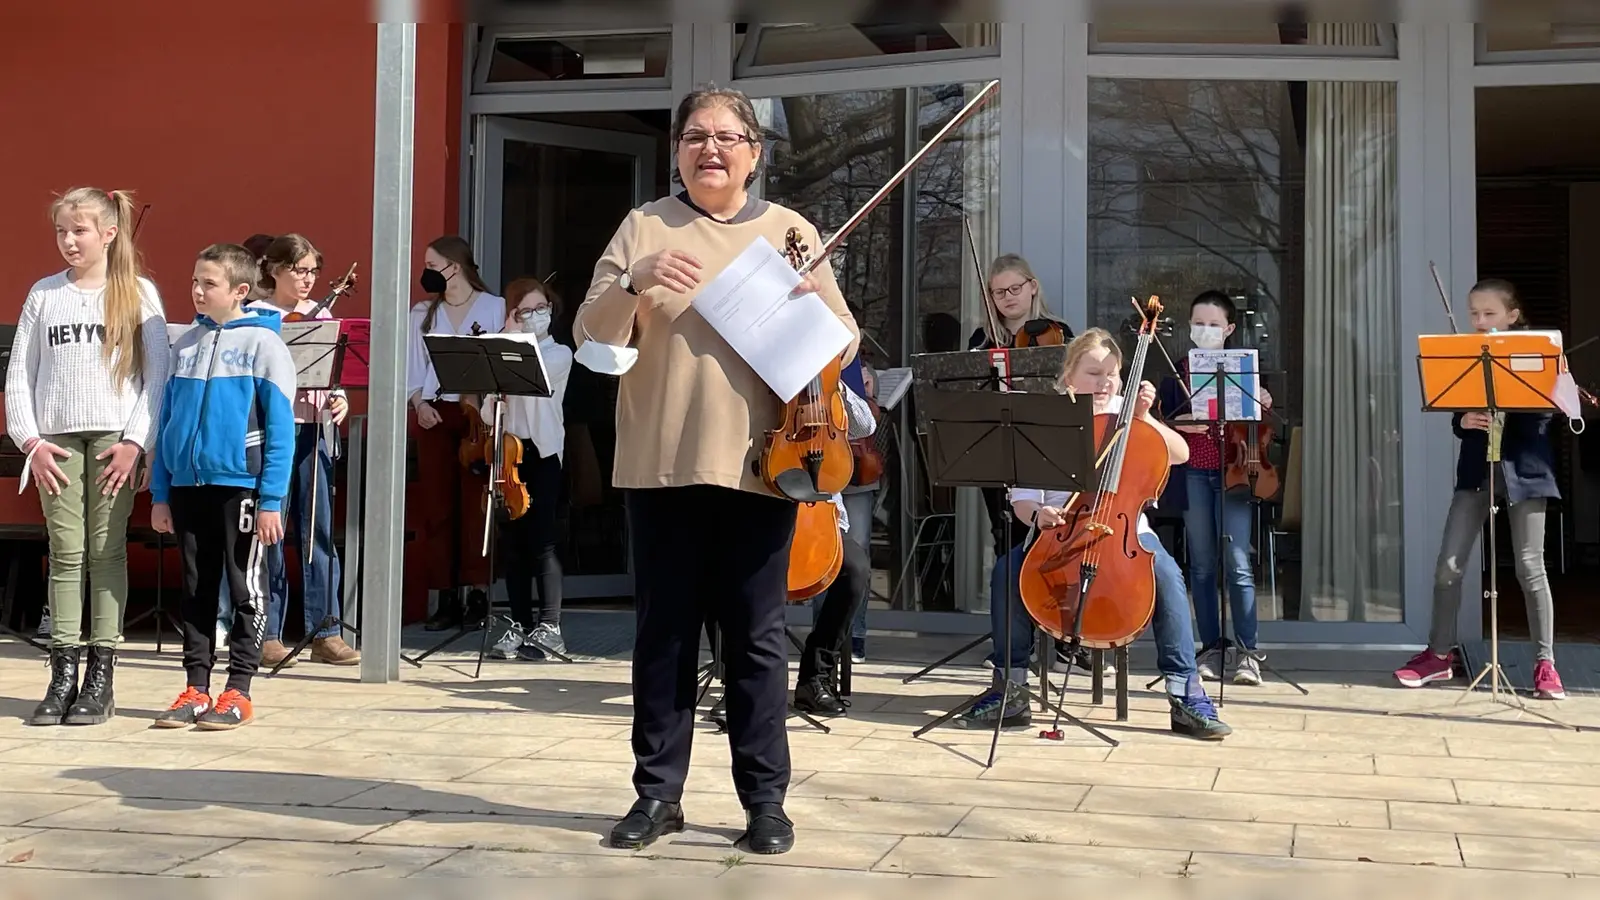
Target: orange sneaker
232,709
186,710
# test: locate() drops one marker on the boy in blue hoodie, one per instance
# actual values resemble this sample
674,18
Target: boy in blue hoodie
219,476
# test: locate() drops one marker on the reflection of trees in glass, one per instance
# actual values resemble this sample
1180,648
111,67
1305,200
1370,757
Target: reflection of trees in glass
1192,187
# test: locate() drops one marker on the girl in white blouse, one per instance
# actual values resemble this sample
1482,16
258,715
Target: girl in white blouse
530,539
451,520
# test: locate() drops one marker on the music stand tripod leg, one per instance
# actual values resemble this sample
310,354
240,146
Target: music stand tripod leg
946,660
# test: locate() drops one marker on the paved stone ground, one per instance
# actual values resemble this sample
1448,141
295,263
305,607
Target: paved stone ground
521,773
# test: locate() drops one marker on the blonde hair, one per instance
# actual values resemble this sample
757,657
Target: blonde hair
124,302
1012,262
1091,339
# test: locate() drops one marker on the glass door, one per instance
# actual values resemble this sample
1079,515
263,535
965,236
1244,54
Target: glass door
550,196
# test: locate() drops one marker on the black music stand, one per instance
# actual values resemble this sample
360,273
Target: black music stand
318,348
1222,380
481,365
1491,368
1009,440
1033,370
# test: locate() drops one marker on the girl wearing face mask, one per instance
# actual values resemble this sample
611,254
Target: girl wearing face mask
1211,322
290,266
530,539
451,520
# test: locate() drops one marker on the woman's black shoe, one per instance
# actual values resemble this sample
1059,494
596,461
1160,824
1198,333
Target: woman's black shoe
769,831
95,701
646,821
63,689
448,614
817,698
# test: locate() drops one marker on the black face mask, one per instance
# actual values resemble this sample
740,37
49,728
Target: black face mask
433,281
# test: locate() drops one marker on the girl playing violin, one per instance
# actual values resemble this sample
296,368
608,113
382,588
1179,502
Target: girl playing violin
1526,479
452,519
538,423
1211,322
1093,367
1018,304
289,269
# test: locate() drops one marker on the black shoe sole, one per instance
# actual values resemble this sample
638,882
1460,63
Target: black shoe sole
671,827
772,851
46,720
1194,732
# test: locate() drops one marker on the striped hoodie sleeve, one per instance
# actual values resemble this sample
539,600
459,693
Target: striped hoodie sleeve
22,422
275,380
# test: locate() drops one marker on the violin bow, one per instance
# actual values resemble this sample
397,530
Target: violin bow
861,214
140,221
1444,297
991,317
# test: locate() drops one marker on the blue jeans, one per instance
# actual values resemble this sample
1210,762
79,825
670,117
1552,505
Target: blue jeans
311,461
1173,624
1200,533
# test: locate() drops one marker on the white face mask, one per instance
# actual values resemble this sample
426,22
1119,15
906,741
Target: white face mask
606,359
538,322
1208,337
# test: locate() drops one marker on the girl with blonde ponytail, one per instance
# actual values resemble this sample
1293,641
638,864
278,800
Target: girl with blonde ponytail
83,395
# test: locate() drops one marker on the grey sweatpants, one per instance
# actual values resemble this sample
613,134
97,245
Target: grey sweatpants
1468,511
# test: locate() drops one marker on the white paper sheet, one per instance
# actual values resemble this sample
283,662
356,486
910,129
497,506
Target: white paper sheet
786,341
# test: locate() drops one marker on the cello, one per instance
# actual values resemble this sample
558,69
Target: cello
1089,581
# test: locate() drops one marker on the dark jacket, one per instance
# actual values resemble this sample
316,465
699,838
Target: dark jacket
1526,462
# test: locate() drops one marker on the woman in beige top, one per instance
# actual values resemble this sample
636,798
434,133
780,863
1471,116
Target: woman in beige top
709,540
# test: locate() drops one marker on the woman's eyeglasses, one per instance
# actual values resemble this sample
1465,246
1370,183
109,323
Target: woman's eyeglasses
725,140
524,313
300,272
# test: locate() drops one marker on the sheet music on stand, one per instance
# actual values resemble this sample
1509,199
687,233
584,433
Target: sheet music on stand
893,385
314,346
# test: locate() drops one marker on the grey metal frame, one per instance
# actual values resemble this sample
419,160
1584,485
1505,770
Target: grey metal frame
744,65
1388,48
493,35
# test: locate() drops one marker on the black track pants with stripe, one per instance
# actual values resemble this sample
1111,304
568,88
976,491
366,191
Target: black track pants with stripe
216,529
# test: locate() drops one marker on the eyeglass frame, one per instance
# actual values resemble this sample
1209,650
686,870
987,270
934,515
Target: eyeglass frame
694,140
1014,291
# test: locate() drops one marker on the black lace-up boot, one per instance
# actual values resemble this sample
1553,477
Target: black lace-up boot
95,703
63,690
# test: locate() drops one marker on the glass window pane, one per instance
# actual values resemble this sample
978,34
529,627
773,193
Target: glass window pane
779,45
1283,197
907,274
585,57
1193,29
1520,37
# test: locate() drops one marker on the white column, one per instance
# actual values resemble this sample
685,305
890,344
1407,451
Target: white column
384,538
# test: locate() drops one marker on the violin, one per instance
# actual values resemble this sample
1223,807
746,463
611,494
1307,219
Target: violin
1040,333
1245,462
345,285
868,457
1089,580
808,457
476,445
817,552
510,485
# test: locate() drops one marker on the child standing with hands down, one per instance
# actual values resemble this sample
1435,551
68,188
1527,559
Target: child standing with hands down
1526,480
220,475
82,394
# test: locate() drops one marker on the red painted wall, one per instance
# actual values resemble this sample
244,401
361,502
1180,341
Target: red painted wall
226,127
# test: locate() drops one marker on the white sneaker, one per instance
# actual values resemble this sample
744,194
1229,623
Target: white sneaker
506,646
1249,671
1208,664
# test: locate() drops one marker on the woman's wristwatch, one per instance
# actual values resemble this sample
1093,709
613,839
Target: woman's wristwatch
625,281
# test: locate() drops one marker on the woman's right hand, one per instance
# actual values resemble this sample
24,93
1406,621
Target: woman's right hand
427,416
1478,420
673,269
1048,517
44,468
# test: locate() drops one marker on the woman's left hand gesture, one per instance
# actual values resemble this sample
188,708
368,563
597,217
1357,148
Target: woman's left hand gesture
808,285
1146,400
124,456
340,407
1264,398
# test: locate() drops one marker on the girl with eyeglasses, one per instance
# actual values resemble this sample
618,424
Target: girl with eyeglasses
290,267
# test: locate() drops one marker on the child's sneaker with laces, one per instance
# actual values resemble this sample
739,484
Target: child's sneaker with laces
232,710
1546,683
1425,668
186,710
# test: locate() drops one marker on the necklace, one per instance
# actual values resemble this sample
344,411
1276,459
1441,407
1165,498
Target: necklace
470,297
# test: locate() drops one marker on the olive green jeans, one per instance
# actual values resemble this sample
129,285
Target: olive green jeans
88,534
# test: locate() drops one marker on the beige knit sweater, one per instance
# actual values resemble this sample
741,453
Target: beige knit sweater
690,411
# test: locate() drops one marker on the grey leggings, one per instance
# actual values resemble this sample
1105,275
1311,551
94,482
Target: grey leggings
1468,511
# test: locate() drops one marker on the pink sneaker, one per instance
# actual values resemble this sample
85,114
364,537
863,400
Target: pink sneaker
1546,683
1426,668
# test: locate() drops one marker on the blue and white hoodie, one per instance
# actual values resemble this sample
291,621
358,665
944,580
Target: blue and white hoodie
227,418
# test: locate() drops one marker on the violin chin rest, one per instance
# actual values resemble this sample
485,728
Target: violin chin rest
796,484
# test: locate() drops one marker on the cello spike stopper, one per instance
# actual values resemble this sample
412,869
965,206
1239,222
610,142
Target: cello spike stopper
1052,734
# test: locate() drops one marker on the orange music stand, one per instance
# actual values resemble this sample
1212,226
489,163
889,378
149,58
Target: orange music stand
1496,373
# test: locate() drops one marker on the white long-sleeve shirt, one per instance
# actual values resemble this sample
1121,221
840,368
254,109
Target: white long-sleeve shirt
60,381
487,311
539,419
859,423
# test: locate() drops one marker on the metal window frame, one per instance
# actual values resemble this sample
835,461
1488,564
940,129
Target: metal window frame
493,35
744,65
1483,56
1388,48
